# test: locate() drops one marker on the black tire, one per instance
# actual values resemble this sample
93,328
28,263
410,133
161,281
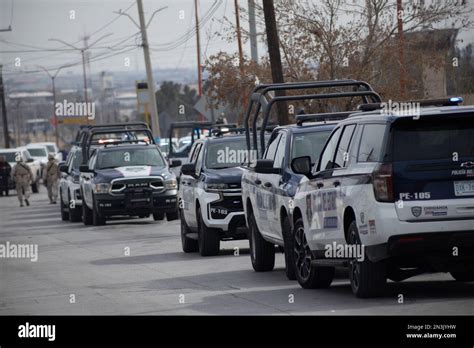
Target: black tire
288,249
63,209
158,216
464,276
172,216
97,218
189,245
74,213
208,238
86,214
368,279
309,276
262,253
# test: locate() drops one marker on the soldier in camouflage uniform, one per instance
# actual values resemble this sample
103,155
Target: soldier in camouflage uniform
51,178
23,177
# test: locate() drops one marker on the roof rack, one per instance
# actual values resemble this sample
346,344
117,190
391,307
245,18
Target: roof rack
323,117
87,141
83,129
452,101
259,98
118,142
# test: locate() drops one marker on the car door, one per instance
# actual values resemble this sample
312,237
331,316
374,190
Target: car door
264,195
64,182
333,184
87,181
322,199
187,187
274,186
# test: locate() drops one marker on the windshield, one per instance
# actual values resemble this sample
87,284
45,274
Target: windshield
433,140
309,144
225,154
129,157
9,156
37,152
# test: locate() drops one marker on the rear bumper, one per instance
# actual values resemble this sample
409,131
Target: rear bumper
143,204
416,248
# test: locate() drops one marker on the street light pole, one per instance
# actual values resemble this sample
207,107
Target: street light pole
55,116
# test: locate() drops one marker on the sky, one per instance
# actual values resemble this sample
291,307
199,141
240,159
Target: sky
35,22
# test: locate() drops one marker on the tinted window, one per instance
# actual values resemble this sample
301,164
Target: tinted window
280,153
51,148
272,147
328,154
371,143
195,153
76,162
432,140
309,144
225,154
342,153
37,152
9,156
129,157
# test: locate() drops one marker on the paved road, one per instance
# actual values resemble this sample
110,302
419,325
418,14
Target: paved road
158,278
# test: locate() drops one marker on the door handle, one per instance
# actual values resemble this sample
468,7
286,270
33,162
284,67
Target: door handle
337,183
257,182
319,185
268,184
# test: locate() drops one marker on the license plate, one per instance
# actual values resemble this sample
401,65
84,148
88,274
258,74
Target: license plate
464,188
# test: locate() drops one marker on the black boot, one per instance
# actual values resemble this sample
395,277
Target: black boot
27,202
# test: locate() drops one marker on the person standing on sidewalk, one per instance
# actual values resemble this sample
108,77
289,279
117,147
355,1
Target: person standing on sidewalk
5,170
51,178
23,177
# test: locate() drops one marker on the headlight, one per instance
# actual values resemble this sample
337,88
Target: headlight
215,187
101,188
171,184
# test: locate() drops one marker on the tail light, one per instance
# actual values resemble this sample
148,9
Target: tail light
382,180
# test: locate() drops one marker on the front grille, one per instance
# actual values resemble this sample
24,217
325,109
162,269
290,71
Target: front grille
137,185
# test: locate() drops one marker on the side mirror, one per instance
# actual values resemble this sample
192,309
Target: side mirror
63,168
30,160
175,163
84,168
188,169
301,165
265,166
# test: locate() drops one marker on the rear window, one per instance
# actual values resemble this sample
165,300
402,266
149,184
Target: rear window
433,139
371,142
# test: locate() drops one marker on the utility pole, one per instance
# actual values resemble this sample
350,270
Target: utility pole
253,32
401,47
275,57
241,57
239,36
198,41
6,135
155,125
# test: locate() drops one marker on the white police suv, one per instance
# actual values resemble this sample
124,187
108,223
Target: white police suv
392,196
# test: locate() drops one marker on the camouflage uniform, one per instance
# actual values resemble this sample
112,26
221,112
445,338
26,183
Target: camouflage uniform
23,177
51,178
